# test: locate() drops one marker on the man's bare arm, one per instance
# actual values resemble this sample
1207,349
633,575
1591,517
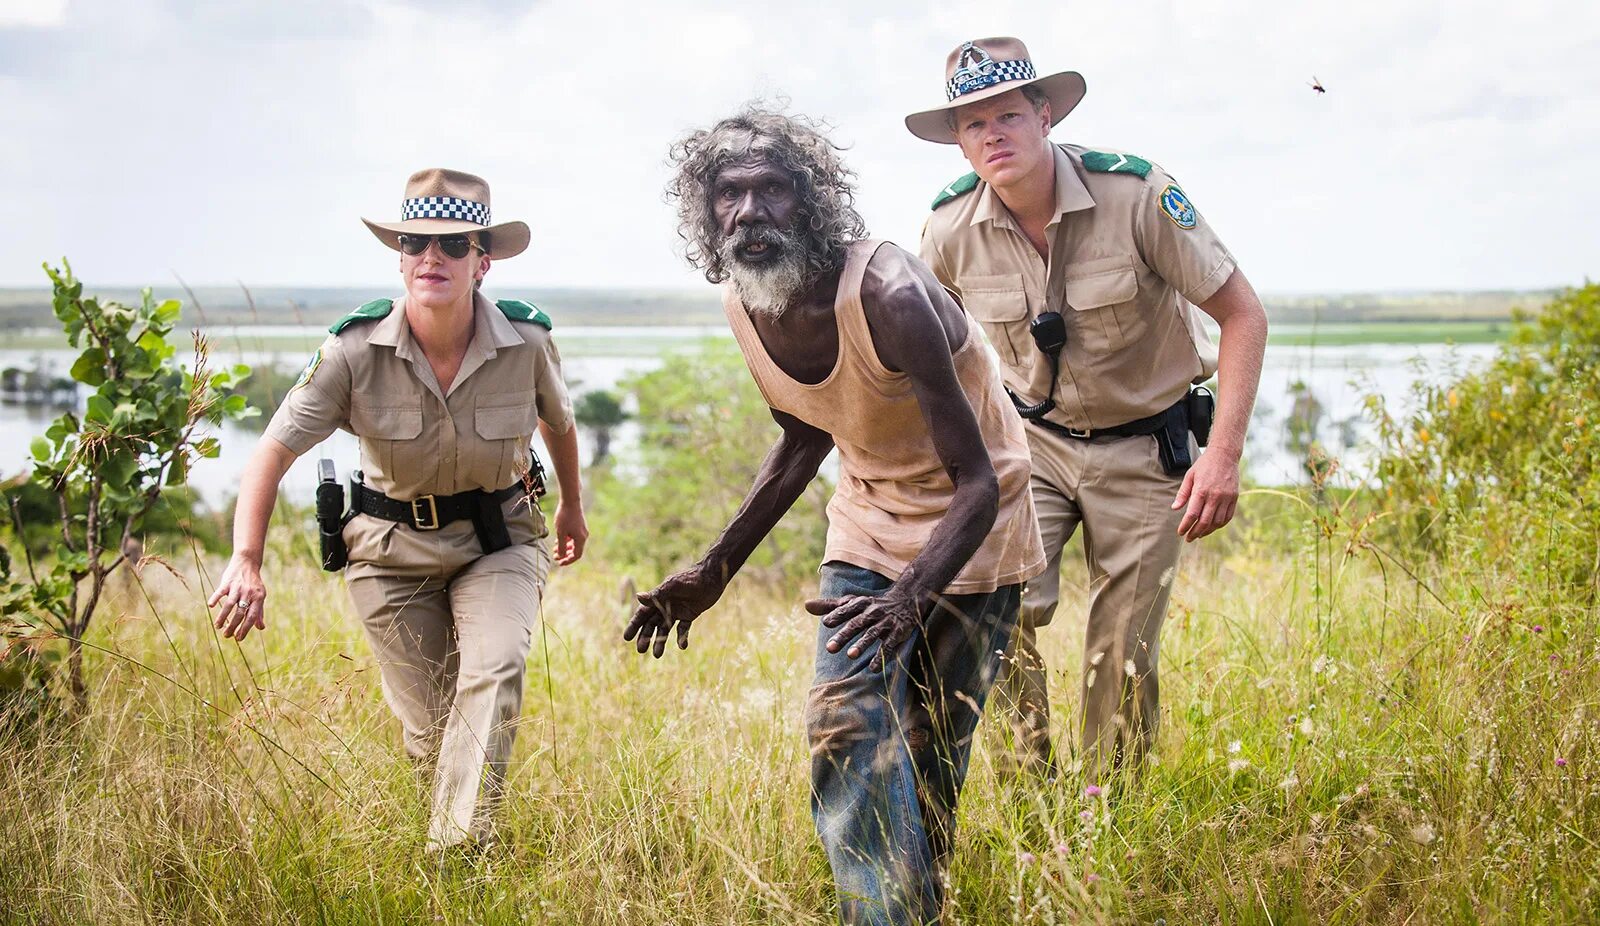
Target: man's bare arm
916,329
1211,487
789,467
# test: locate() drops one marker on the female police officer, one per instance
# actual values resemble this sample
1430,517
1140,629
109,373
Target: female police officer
446,556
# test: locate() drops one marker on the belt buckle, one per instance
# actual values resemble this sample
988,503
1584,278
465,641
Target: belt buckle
432,512
1080,433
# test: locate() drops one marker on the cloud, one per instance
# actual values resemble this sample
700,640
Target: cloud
243,141
32,13
276,21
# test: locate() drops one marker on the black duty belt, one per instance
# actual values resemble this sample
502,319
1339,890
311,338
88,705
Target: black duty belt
1136,428
1171,428
430,512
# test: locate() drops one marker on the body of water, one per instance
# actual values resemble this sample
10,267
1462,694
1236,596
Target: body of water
1339,376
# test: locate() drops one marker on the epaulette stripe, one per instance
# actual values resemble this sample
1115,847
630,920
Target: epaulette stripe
377,308
520,310
1111,162
960,187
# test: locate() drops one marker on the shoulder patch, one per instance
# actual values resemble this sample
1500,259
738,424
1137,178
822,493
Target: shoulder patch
1104,162
309,371
377,308
1176,206
959,188
520,311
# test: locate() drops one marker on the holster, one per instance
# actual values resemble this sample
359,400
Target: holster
1202,407
1172,440
490,523
330,518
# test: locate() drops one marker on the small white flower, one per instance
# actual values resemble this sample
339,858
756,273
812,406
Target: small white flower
1088,681
1290,783
1423,833
1234,747
1321,665
1305,727
1095,659
1235,766
1129,668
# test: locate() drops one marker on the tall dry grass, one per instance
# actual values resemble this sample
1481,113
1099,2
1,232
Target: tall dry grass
1350,736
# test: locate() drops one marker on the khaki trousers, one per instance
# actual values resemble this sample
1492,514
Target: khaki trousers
451,649
1117,490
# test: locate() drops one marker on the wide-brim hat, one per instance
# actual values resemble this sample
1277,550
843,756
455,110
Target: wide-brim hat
983,68
439,201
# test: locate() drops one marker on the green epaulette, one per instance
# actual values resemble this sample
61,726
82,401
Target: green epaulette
377,308
1106,162
519,311
961,187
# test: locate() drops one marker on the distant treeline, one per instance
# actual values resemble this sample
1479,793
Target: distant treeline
289,305
22,308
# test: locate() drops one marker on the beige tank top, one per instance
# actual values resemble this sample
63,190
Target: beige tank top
892,488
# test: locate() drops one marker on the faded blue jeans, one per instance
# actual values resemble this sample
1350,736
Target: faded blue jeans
889,749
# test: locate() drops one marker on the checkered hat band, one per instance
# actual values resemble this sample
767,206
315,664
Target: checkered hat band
1020,69
444,207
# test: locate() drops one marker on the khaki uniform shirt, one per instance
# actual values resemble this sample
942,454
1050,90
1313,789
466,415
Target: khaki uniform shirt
1126,276
372,380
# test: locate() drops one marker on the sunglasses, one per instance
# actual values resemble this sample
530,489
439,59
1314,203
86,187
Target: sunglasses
454,247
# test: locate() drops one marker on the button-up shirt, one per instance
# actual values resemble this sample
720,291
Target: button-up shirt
373,380
1127,277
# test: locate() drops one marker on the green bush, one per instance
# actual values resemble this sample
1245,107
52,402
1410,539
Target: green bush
1500,470
705,431
140,430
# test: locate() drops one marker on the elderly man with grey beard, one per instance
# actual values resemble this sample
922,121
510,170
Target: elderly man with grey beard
931,532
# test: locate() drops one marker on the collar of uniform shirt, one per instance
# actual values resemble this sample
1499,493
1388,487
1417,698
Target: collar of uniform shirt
1071,195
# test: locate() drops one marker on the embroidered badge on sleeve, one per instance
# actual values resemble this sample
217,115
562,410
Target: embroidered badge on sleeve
309,371
1177,206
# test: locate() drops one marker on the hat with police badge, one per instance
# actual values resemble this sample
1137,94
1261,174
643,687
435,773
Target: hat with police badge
983,68
439,201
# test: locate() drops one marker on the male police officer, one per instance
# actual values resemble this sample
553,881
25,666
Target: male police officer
1111,243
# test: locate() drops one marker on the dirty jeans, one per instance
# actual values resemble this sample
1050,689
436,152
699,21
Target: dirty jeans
889,749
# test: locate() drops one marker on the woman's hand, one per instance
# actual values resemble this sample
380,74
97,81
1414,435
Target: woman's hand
572,531
243,597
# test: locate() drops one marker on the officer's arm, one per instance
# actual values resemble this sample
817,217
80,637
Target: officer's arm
318,403
682,597
240,590
572,529
916,328
1240,350
934,258
1210,489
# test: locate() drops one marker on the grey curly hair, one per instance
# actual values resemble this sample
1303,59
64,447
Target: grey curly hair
827,221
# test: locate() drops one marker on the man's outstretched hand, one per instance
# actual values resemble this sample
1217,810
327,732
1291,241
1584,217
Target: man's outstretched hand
679,599
888,619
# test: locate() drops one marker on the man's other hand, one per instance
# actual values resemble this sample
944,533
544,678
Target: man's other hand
1211,490
888,619
679,599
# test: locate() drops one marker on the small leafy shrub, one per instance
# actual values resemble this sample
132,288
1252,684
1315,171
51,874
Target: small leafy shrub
706,430
143,425
1500,470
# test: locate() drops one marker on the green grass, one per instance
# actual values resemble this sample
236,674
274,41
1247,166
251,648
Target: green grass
1349,333
1339,746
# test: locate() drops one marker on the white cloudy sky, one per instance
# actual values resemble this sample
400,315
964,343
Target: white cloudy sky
226,141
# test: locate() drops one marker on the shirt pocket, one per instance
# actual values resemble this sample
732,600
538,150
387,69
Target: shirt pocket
1105,313
1000,304
388,432
504,422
